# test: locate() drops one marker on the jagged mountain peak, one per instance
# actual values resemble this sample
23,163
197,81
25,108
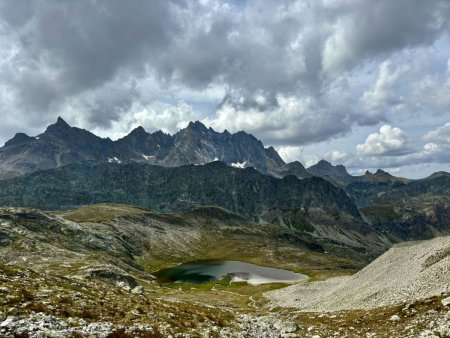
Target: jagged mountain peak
19,138
138,130
137,133
159,132
197,126
323,163
379,172
325,168
295,164
60,123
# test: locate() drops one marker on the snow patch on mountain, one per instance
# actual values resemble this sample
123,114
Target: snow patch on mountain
240,165
147,157
114,160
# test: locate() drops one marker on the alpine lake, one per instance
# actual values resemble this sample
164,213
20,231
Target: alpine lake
204,271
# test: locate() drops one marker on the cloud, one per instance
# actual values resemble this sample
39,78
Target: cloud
294,73
440,135
158,115
56,51
390,141
392,148
385,91
336,156
366,29
290,120
290,153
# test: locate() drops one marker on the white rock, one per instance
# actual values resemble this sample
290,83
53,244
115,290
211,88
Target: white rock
394,318
446,301
139,290
7,322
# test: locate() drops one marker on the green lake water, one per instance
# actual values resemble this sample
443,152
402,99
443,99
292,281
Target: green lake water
206,271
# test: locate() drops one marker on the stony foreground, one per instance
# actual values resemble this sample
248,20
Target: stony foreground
425,319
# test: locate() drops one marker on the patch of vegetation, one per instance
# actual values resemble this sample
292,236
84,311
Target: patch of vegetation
379,214
99,213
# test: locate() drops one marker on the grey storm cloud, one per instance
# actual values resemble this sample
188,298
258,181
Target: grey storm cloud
288,65
68,47
368,28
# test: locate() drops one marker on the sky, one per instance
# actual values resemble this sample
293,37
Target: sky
357,82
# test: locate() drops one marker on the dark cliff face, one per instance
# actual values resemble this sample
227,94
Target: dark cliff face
383,188
410,210
245,192
62,144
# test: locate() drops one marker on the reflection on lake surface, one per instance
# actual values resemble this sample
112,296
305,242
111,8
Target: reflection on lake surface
206,271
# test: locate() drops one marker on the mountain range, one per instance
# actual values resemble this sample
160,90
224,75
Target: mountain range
62,144
67,167
196,144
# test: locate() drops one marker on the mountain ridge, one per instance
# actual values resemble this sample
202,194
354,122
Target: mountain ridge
60,144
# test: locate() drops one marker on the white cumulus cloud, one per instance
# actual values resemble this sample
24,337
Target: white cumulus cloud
389,141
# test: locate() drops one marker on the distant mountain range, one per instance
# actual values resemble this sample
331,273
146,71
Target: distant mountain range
67,167
62,144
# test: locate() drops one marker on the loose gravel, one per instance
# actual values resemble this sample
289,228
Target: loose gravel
406,272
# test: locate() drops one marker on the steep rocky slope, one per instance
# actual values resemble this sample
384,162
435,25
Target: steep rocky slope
245,192
402,209
407,272
415,210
